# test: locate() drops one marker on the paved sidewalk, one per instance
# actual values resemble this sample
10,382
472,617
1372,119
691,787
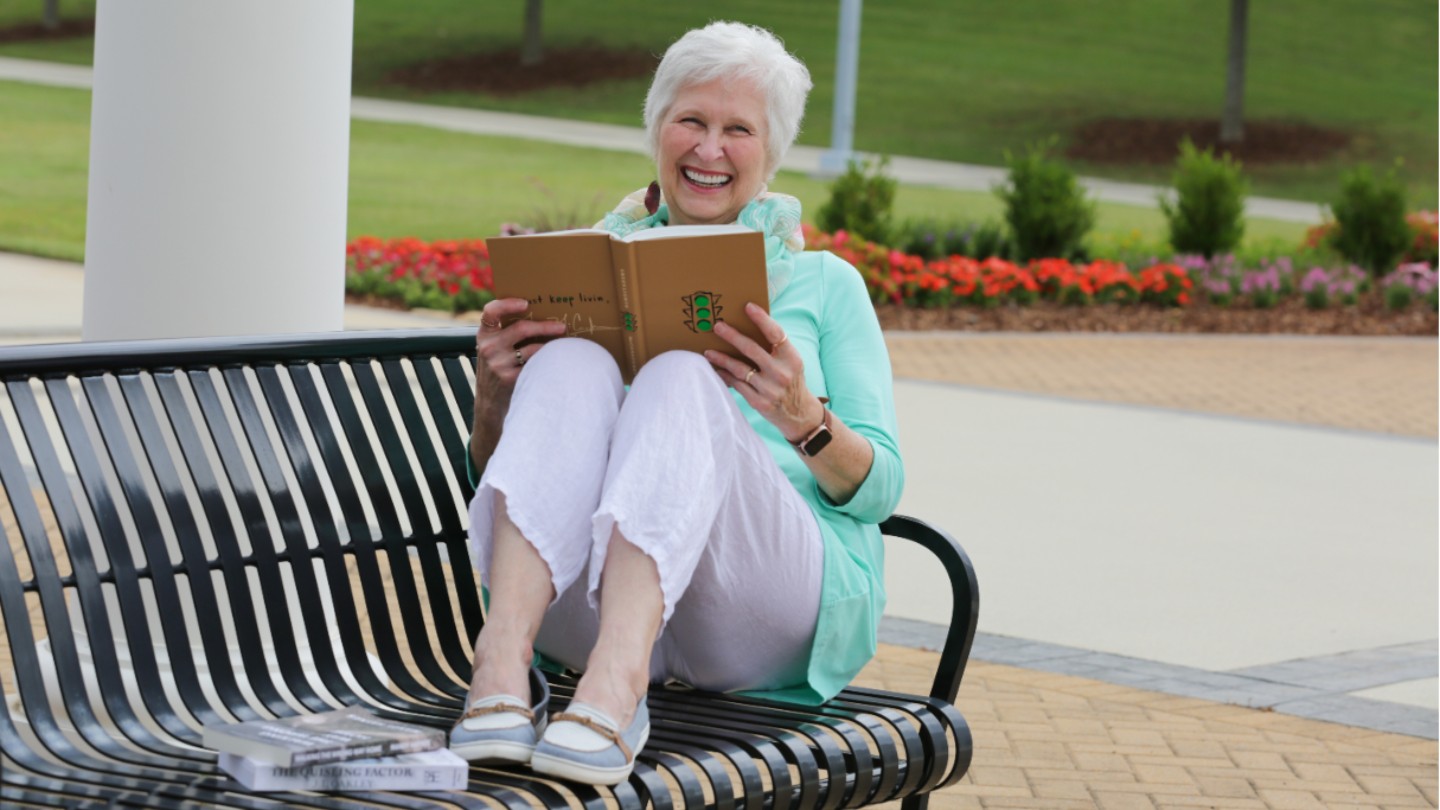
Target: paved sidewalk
804,159
1385,385
1056,741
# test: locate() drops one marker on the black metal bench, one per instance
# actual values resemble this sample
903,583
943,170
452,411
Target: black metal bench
206,530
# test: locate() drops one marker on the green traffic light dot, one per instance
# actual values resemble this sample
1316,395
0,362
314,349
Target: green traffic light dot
704,326
702,300
702,313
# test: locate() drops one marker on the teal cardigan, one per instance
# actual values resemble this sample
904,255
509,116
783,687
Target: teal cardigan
826,313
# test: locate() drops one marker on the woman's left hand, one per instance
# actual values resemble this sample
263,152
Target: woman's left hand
773,382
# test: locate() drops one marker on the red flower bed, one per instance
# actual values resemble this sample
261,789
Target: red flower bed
455,275
895,277
449,274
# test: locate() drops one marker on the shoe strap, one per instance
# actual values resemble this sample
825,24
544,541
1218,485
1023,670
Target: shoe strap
596,726
497,708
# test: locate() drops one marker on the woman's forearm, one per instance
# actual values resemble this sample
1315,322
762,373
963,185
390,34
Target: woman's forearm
488,421
844,464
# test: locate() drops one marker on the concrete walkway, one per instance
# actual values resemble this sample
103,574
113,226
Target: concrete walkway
803,159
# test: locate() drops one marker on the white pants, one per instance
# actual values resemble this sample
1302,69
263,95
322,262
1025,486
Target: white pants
675,465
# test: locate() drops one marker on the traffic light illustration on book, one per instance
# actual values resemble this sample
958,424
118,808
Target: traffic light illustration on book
702,311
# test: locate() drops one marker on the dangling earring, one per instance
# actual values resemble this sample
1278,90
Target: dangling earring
652,197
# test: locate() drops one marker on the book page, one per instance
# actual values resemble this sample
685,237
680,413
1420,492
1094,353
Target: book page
682,231
552,234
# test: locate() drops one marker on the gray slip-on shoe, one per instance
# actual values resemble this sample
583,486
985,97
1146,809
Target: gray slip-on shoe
583,744
500,728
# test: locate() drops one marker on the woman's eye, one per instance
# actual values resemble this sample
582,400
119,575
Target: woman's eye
743,130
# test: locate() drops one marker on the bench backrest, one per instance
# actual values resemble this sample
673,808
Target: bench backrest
196,506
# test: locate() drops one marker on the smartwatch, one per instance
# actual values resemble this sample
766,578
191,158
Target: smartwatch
818,438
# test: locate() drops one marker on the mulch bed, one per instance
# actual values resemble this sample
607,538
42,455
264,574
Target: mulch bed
33,32
1157,140
499,73
1291,316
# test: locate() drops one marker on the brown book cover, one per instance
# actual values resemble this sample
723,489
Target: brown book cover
654,291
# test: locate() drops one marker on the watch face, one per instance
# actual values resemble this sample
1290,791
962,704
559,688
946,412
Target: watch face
817,442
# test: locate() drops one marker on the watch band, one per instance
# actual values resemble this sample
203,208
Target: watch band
818,438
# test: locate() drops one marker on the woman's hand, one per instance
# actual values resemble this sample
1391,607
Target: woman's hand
498,357
498,361
773,382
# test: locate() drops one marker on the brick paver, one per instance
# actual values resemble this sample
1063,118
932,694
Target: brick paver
1387,385
1057,741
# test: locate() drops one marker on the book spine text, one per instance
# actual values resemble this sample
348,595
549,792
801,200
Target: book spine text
627,286
368,751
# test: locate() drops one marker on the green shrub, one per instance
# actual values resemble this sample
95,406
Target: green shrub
1131,248
1317,297
1370,220
920,237
990,239
934,239
1399,296
1264,299
1207,215
860,202
1045,207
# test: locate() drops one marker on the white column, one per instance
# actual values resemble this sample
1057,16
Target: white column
219,155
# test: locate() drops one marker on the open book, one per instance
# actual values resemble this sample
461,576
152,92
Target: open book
638,296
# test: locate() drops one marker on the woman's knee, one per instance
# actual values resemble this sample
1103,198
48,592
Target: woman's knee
677,368
577,360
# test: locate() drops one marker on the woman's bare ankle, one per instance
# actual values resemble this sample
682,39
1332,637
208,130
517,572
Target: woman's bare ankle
616,694
502,667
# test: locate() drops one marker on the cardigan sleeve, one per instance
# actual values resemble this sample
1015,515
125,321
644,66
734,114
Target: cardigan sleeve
856,364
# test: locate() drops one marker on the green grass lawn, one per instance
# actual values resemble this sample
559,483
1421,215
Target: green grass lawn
413,181
966,80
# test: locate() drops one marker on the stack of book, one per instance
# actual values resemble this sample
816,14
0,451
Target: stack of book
342,750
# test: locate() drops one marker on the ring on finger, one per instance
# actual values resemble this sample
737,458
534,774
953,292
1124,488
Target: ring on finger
489,324
748,375
519,358
778,344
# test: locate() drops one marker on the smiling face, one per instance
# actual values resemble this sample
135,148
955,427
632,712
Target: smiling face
712,157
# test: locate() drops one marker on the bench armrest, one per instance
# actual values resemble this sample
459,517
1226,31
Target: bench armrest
965,599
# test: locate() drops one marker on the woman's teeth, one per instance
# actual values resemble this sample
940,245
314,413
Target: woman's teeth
703,179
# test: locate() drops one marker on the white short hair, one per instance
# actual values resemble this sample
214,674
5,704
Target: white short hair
730,50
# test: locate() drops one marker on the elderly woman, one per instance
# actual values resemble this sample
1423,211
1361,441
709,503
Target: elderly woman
678,530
